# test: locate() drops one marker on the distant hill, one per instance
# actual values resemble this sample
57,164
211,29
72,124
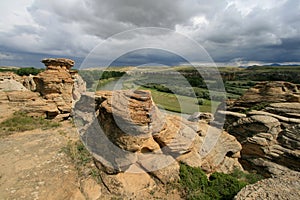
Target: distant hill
269,66
8,67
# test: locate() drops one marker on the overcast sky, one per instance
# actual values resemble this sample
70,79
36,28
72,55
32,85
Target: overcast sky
232,31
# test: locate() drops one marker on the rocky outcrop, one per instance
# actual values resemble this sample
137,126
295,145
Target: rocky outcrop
269,128
266,93
49,94
127,133
285,186
10,81
55,84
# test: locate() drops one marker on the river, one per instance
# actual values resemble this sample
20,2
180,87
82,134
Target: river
114,84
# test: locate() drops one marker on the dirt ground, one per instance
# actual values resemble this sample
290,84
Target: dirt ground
32,165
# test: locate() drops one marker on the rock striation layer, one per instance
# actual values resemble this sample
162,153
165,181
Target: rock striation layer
266,121
49,94
127,133
55,84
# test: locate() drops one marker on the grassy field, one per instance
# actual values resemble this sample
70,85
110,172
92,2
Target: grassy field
178,103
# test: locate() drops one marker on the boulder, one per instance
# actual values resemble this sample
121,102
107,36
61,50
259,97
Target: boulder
285,186
133,113
127,133
128,184
11,85
10,76
59,85
41,108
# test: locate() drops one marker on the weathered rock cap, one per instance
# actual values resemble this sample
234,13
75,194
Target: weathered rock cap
68,63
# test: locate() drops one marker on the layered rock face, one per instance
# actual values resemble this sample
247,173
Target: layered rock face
267,92
49,94
128,134
269,128
55,84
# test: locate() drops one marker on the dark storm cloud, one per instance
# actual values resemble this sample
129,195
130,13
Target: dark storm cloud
148,57
138,13
104,18
26,59
262,30
262,34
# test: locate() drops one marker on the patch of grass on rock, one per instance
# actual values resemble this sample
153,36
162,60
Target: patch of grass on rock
20,122
82,159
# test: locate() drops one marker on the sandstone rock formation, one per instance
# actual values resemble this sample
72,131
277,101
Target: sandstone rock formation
269,128
49,94
267,92
127,133
10,81
285,186
55,84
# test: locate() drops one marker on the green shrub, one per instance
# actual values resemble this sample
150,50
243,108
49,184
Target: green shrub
224,186
196,186
249,178
192,179
28,70
259,106
93,76
200,102
7,69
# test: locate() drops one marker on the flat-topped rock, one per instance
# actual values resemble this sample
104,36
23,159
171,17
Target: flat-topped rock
58,62
56,83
